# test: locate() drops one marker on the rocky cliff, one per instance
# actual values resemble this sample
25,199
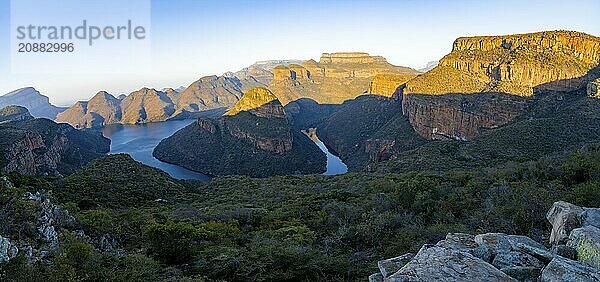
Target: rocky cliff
37,104
337,77
42,147
574,255
386,84
260,73
254,138
503,67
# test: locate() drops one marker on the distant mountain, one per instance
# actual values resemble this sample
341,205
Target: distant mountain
254,138
337,77
260,73
150,105
429,66
42,147
37,104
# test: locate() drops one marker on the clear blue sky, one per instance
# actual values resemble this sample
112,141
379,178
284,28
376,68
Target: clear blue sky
193,38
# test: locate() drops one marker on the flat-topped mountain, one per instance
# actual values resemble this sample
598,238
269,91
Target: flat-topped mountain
337,77
254,138
483,81
37,104
42,147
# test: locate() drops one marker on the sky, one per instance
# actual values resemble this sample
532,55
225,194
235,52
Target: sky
189,39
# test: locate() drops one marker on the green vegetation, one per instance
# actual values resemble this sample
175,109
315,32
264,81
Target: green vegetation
287,228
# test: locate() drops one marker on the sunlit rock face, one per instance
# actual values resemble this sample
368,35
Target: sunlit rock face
337,77
502,71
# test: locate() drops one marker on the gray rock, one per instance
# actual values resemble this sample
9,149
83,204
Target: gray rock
515,259
7,249
542,254
590,217
376,277
586,241
466,242
391,266
5,183
562,269
499,243
564,251
523,273
435,263
564,217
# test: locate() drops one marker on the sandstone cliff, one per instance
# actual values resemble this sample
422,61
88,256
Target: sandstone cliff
386,84
337,77
37,104
254,139
502,67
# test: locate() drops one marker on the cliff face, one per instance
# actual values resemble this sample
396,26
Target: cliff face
37,104
503,67
254,138
337,77
386,84
42,147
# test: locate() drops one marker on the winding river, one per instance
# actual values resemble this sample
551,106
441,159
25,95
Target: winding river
140,140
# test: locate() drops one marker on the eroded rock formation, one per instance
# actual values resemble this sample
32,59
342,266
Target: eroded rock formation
254,138
337,77
507,67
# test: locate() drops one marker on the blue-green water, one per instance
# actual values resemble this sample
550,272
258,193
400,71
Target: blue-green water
140,140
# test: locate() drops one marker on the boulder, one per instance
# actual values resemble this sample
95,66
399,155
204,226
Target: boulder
376,277
586,241
7,249
564,217
516,259
391,266
499,243
523,273
466,242
590,217
561,269
564,251
435,263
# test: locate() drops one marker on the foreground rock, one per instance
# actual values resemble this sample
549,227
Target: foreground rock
254,138
502,257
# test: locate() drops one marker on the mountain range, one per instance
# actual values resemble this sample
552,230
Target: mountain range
37,104
460,173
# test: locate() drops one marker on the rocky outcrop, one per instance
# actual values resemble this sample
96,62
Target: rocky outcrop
506,67
38,105
337,77
14,113
386,84
254,138
7,250
42,147
502,257
592,88
260,102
